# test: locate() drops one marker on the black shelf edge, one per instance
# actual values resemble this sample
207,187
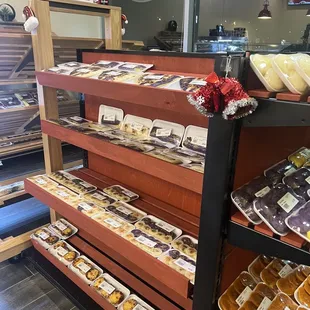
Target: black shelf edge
278,113
250,239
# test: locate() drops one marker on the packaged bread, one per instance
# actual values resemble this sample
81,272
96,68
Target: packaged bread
65,195
302,294
187,245
64,252
300,157
258,265
99,198
43,181
133,302
63,229
283,302
45,237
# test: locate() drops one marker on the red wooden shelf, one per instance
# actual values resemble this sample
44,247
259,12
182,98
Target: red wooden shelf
152,271
177,175
161,98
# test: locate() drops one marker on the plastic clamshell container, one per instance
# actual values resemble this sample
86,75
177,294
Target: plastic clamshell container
107,64
185,155
60,70
82,265
159,80
63,229
134,145
300,157
64,252
283,302
121,193
65,194
73,65
99,198
115,75
257,266
135,67
43,181
109,289
284,75
301,62
195,139
302,295
110,116
86,207
186,245
45,237
134,300
137,126
159,229
267,65
238,292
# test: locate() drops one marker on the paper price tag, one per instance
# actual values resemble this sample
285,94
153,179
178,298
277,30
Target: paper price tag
287,202
200,141
76,118
163,132
109,118
185,265
285,271
153,77
124,210
114,73
43,235
86,185
83,267
61,251
128,66
290,171
60,225
129,193
41,181
198,82
112,222
263,192
308,180
244,296
108,288
264,305
136,126
165,226
149,243
62,194
139,307
99,196
85,206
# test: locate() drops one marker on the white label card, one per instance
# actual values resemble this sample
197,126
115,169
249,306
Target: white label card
41,181
60,225
83,267
43,235
165,226
139,307
62,194
76,118
124,210
113,222
153,77
264,305
128,66
85,206
308,180
83,70
290,171
146,241
61,251
198,82
109,117
136,126
185,265
285,271
263,192
163,132
244,296
129,193
99,196
86,185
114,73
287,202
108,288
200,141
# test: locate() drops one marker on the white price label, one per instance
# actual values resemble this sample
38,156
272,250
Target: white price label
198,82
285,271
83,267
263,192
76,118
129,193
85,206
83,71
62,194
124,210
41,181
163,132
308,180
264,305
149,243
244,296
128,66
290,171
108,288
136,126
153,77
200,141
103,62
43,235
185,265
114,73
99,196
287,202
72,64
69,176
139,307
165,226
86,185
113,222
60,225
109,117
61,251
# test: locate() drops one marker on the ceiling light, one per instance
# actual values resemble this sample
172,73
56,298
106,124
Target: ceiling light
265,13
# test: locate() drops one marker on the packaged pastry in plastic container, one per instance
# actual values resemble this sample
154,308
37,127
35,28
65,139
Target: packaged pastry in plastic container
113,223
45,237
133,302
159,229
65,195
299,222
276,270
75,120
108,135
85,269
110,116
159,80
293,280
175,160
115,75
59,70
300,157
99,198
262,66
107,64
121,193
258,265
299,181
185,155
276,206
11,188
88,208
190,84
147,243
237,293
260,299
135,67
73,65
244,196
133,145
63,229
110,289
283,302
43,181
302,66
302,294
278,171
195,139
86,72
64,252
187,245
181,263
136,126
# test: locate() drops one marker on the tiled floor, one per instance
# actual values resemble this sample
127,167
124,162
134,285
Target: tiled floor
23,288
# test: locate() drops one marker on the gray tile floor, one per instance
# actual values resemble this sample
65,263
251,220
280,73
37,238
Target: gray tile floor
23,288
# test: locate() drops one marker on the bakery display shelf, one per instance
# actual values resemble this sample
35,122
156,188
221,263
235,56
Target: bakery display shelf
17,82
146,267
285,96
180,176
21,109
161,98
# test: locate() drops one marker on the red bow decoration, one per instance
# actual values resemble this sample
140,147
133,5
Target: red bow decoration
223,95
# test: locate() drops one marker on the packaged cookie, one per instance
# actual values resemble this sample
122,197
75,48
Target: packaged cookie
88,208
185,155
64,252
133,302
276,270
260,299
43,181
283,302
99,198
115,75
244,196
113,223
121,193
160,80
277,172
159,229
187,245
134,67
278,204
196,167
289,284
300,157
45,237
85,269
133,145
195,139
299,181
8,102
237,293
110,289
258,265
181,263
63,229
146,243
65,195
136,126
126,212
110,116
299,222
302,294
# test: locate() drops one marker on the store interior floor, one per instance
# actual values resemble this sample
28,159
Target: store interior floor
23,288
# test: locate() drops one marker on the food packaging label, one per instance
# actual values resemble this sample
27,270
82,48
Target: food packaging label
264,305
82,266
200,141
263,192
195,139
137,126
153,77
108,288
61,251
163,132
165,226
129,193
98,196
62,194
85,206
113,222
287,202
86,185
115,73
285,271
139,307
308,180
290,171
43,235
110,117
244,296
198,82
60,225
146,241
185,265
40,181
124,210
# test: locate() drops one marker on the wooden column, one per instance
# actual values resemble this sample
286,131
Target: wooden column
113,29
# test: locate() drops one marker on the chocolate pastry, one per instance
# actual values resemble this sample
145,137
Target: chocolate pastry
187,246
300,157
190,84
157,79
299,181
258,265
279,171
283,302
303,297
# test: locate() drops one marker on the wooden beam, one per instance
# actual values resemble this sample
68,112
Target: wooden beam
113,30
15,74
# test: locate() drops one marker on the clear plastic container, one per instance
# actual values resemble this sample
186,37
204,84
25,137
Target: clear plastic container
121,193
276,206
300,157
99,198
195,139
302,294
187,245
302,66
45,237
258,265
133,302
43,181
283,302
64,252
63,229
126,212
